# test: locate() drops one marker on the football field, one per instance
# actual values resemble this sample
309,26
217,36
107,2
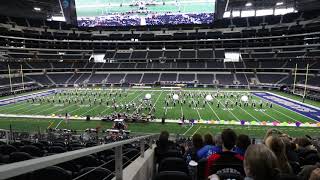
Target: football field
225,108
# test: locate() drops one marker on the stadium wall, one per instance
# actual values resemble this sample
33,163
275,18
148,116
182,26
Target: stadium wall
142,168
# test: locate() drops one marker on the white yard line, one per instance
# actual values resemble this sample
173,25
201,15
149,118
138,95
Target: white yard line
23,106
75,110
181,109
165,113
155,102
270,116
250,114
227,108
284,114
187,130
12,106
246,112
58,124
132,101
39,112
196,130
136,108
95,107
198,114
66,107
111,104
213,111
31,109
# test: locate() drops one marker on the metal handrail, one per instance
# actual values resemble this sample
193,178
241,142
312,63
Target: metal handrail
19,168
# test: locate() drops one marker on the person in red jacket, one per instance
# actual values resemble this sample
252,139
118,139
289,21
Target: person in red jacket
227,160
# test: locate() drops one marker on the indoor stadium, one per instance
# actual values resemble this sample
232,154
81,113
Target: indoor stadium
160,89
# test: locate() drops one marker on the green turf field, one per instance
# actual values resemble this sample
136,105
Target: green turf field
93,8
194,106
191,104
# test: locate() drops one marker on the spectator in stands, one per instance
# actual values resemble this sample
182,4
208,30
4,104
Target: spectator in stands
191,150
278,147
227,158
208,147
303,142
307,150
273,132
243,142
290,150
163,139
306,171
218,142
315,175
163,144
260,163
304,145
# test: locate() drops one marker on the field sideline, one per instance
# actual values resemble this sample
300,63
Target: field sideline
36,125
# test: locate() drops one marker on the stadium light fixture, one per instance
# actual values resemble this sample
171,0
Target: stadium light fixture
248,4
279,3
37,9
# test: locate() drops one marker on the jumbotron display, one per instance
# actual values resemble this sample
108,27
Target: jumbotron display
92,13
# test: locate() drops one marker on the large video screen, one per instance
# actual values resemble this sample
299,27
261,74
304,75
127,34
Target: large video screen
92,13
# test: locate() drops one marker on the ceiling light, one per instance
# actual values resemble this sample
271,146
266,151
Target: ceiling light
37,9
279,3
248,4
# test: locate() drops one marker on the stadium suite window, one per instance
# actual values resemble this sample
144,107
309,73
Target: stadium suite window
261,12
248,13
264,12
282,11
235,13
232,57
227,14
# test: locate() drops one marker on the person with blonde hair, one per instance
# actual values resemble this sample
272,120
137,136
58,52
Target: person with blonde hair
277,145
260,163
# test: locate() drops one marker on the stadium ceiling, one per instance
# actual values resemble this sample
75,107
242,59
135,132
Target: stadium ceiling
25,8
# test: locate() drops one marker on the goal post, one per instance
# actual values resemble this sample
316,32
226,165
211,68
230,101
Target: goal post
305,84
295,79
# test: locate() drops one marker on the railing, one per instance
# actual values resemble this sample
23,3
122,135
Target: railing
23,167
